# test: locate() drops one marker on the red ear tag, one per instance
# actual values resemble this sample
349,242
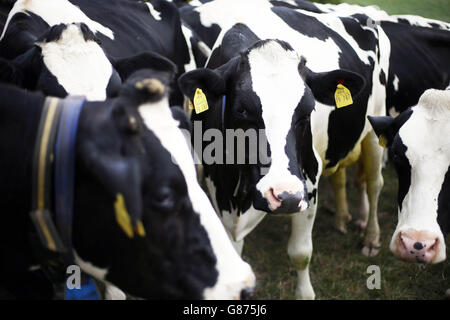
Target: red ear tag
341,81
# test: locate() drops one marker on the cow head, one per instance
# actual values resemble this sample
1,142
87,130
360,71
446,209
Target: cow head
168,248
269,87
68,59
418,139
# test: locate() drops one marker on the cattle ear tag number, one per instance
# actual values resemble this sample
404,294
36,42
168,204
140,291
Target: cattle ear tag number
122,216
382,141
342,96
200,103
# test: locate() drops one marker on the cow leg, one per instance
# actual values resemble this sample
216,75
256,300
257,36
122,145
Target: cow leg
372,155
342,216
300,250
360,182
238,246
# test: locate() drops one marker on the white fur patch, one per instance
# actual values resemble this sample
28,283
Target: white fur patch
56,12
277,82
395,82
155,14
436,104
234,273
80,66
89,268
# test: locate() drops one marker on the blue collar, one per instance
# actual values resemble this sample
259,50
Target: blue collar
54,156
224,104
64,169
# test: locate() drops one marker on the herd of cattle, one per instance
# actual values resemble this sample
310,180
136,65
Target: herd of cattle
131,207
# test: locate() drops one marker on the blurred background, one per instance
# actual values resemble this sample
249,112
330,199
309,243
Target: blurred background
435,9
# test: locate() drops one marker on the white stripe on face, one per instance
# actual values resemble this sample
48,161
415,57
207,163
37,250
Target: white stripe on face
234,273
81,67
277,83
426,136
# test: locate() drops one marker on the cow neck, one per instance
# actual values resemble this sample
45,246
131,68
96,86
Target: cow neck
53,171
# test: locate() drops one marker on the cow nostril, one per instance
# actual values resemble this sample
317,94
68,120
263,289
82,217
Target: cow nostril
247,294
279,197
418,246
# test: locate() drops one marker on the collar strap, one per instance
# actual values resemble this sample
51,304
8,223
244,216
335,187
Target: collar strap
54,156
64,169
224,104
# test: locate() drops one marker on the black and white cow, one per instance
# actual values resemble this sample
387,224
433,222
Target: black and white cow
419,59
184,252
418,138
124,28
257,78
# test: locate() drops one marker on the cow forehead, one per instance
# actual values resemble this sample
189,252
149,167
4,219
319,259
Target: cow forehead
426,132
275,78
80,67
425,139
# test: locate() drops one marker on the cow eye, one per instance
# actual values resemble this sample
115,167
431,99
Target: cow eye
126,120
242,113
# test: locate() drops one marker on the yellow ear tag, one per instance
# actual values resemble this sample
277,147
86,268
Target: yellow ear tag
200,102
122,216
382,141
342,96
140,229
191,105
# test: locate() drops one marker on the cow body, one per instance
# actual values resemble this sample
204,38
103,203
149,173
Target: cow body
125,28
247,60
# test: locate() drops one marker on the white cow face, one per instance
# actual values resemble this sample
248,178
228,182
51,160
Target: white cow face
420,144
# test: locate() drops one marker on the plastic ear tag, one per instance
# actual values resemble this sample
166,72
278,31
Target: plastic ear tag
191,105
342,96
200,102
122,216
382,141
140,229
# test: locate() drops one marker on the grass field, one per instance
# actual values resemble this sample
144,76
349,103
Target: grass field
338,269
435,9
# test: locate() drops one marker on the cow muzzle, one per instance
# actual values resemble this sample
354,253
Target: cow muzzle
285,202
417,246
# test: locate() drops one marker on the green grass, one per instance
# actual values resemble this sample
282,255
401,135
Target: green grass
338,269
435,9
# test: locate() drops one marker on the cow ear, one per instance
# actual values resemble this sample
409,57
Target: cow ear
324,84
211,82
145,60
384,128
10,72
